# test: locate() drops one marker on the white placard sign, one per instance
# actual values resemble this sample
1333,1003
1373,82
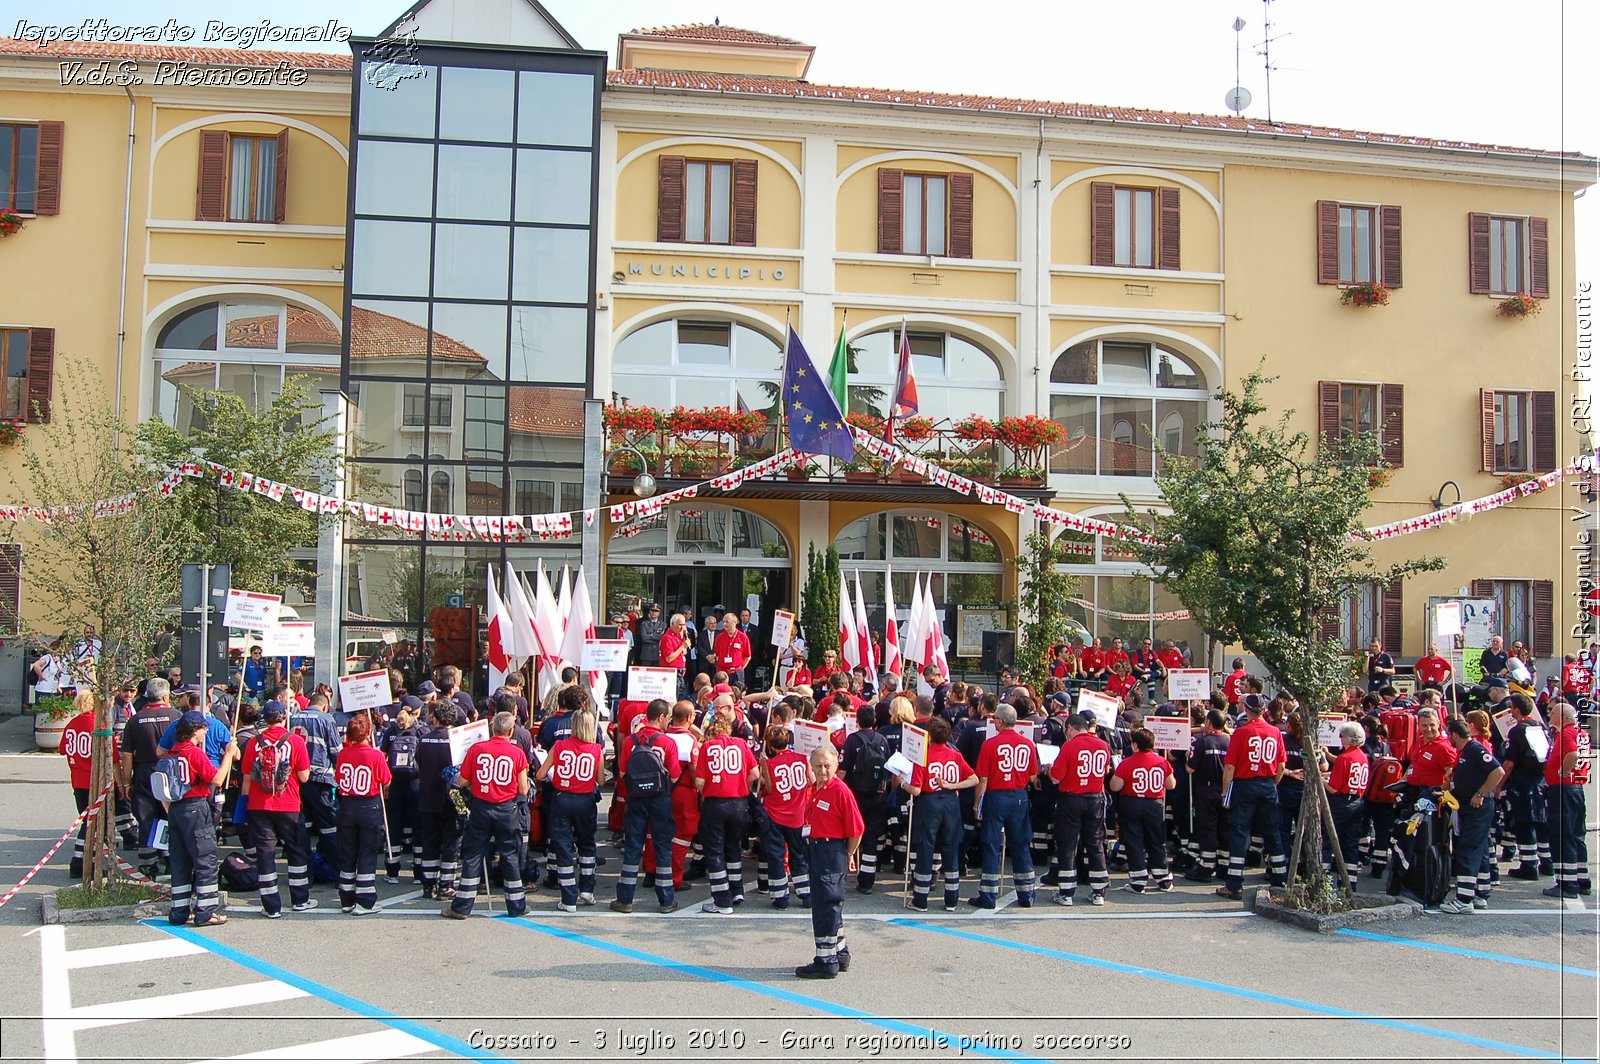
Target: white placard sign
1172,733
685,743
898,764
1022,727
914,744
1507,719
364,690
1328,730
808,736
782,627
1104,707
251,609
1447,619
1047,756
462,736
606,655
1189,685
290,639
646,683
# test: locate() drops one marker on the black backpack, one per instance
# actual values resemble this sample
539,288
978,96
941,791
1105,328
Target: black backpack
238,874
403,753
867,771
645,772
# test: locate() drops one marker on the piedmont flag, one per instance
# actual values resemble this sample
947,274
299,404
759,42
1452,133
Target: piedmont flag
501,658
816,422
904,403
891,628
869,657
849,645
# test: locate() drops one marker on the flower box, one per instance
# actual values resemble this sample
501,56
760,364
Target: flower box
631,420
719,420
1520,305
11,222
862,476
1365,294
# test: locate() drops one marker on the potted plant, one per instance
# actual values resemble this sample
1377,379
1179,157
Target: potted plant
11,222
626,464
625,421
50,716
907,475
1030,438
973,467
801,471
715,420
976,428
1379,476
691,463
1512,480
864,470
914,429
1022,476
871,424
10,431
1365,294
1521,305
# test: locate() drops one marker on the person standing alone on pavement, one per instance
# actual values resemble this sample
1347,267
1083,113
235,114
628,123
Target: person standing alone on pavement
833,838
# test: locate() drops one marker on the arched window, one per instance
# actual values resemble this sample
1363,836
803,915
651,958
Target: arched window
413,490
247,348
1109,395
705,533
439,496
963,559
697,363
1115,597
955,377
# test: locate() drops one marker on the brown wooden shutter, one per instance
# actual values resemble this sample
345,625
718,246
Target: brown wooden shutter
1394,617
891,192
1328,413
1102,224
211,188
41,373
1327,242
47,198
1478,253
1327,621
743,229
1544,431
280,191
1389,236
1392,407
1484,589
1539,258
1544,621
960,243
1167,252
669,198
10,588
1486,421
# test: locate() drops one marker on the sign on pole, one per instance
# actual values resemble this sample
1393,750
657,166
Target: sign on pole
251,609
1104,707
914,744
607,655
1172,733
364,690
782,627
1328,729
646,683
289,639
1189,685
462,736
808,736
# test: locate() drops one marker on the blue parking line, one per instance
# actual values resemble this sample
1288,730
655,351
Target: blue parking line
328,994
1463,952
940,1038
1526,1052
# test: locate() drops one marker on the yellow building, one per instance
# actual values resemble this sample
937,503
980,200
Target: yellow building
1106,268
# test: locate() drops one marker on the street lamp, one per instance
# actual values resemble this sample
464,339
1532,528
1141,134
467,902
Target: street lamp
644,485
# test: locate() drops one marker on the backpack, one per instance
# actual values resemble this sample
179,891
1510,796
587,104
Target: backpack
238,874
170,781
270,772
403,753
1401,727
1386,771
645,774
867,771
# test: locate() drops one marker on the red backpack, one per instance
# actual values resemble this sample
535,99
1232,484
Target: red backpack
1401,728
1385,771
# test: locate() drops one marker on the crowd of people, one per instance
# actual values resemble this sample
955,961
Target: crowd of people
711,783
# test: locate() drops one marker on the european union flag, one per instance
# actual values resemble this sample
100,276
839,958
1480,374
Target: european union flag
816,424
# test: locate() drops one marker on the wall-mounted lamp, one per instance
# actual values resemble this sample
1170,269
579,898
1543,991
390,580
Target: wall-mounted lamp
1438,499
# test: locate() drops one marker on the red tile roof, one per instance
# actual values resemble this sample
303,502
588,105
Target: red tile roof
230,57
737,85
375,335
702,31
545,411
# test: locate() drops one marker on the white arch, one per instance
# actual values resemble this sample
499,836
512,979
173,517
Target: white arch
753,318
1155,333
726,142
943,156
981,519
971,330
1143,171
250,116
184,300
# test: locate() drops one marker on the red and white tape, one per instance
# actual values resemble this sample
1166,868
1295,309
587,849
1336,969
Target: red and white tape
90,811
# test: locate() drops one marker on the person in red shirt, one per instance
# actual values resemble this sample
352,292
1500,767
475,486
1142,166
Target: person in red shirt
1233,686
685,738
495,773
724,771
192,834
1250,773
77,746
1171,657
1141,783
832,830
674,649
1062,663
785,780
648,813
275,764
936,815
1566,773
1122,679
1006,764
1117,653
574,767
1080,773
362,775
1347,788
1432,671
1576,679
1434,757
829,666
1092,663
732,648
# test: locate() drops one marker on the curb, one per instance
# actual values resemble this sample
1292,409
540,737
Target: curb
51,913
1375,909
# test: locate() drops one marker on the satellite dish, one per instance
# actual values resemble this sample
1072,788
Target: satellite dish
1237,99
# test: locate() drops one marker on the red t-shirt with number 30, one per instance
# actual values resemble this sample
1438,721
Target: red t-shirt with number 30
575,766
490,769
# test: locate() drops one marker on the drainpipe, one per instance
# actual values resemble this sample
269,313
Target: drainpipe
122,278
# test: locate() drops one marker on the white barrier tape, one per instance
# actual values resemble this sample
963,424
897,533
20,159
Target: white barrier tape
90,811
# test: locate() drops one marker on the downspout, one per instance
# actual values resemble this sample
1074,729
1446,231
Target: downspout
122,279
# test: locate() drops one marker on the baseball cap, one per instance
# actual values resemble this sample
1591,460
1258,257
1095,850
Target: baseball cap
273,710
410,702
1254,702
1085,719
193,716
426,687
722,689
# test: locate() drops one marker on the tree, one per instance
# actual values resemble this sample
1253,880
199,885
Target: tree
1263,540
819,602
115,567
1041,597
288,441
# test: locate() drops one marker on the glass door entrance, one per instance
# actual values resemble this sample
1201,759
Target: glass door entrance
696,590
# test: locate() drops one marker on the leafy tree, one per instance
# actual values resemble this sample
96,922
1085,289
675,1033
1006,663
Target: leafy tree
116,569
1042,595
287,440
819,602
1263,539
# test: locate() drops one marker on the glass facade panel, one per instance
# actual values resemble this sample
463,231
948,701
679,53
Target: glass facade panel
1076,414
391,258
378,418
918,537
649,346
395,178
474,182
475,104
545,424
470,261
469,340
552,266
553,186
549,344
555,108
701,530
394,106
864,539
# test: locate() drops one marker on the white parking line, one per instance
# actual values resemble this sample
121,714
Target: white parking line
55,996
188,1003
130,953
354,1049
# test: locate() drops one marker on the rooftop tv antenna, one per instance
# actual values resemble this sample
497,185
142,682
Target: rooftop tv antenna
1265,51
1238,97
